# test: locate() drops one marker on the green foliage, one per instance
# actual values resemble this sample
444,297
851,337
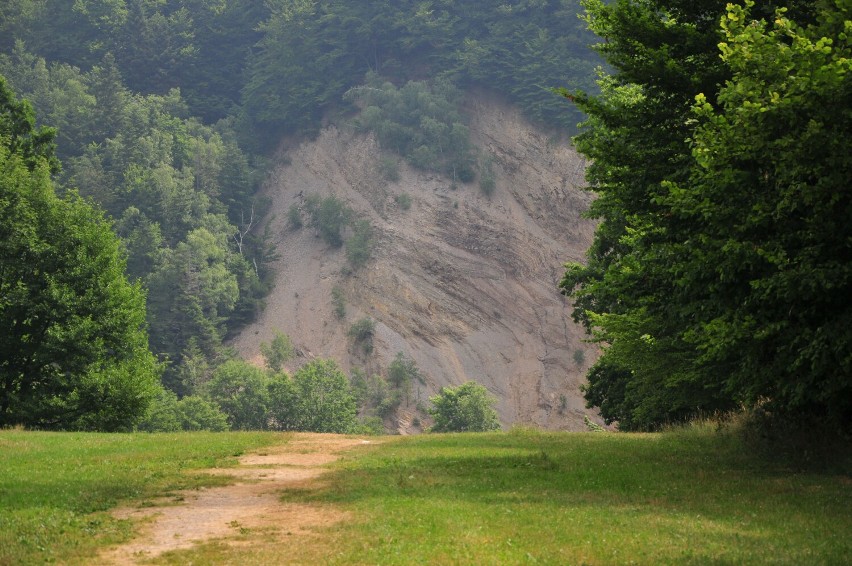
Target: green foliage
373,395
329,215
162,415
318,399
371,426
403,201
278,352
487,179
389,168
359,246
419,121
769,186
403,373
197,413
241,392
466,408
192,413
294,217
704,281
591,425
163,177
72,331
523,49
338,301
361,332
579,357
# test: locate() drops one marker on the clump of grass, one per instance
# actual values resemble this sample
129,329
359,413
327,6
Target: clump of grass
294,217
338,301
403,201
389,168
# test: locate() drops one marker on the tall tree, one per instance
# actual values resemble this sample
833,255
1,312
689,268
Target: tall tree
679,287
73,346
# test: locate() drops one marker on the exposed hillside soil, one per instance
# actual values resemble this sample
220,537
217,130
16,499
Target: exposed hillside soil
253,503
464,283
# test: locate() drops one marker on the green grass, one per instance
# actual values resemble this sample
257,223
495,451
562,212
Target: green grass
56,487
692,496
687,497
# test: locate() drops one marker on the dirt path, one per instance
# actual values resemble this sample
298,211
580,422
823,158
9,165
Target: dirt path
252,503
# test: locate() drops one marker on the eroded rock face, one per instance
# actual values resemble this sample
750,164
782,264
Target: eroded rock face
464,283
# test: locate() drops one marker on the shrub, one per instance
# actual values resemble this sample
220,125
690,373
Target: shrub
403,201
362,332
466,408
372,426
278,352
359,247
168,414
338,300
487,179
330,215
197,413
402,372
317,399
162,414
389,168
294,217
240,390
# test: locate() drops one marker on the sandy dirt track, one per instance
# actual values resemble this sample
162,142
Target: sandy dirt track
252,502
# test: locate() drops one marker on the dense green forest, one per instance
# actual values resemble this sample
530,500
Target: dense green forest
164,112
717,136
721,273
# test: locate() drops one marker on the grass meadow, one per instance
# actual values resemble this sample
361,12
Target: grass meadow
690,496
56,487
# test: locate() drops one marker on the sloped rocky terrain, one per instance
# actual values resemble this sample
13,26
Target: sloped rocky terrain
464,283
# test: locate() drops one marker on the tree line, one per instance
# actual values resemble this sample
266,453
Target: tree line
721,270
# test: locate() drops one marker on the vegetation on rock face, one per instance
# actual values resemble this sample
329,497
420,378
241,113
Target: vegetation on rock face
361,332
330,216
420,122
720,273
338,301
359,246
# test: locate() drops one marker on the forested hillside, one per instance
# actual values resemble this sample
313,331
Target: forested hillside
717,142
166,111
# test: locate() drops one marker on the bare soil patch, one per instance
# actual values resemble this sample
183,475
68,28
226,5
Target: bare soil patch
252,503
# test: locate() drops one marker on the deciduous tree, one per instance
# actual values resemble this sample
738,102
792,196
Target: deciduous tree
73,344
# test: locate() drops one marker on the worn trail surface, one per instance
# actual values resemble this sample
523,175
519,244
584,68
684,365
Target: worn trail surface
252,503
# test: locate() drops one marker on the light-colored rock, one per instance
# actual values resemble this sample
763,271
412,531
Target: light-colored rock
463,283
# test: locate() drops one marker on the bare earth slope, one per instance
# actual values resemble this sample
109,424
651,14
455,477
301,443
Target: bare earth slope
464,283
